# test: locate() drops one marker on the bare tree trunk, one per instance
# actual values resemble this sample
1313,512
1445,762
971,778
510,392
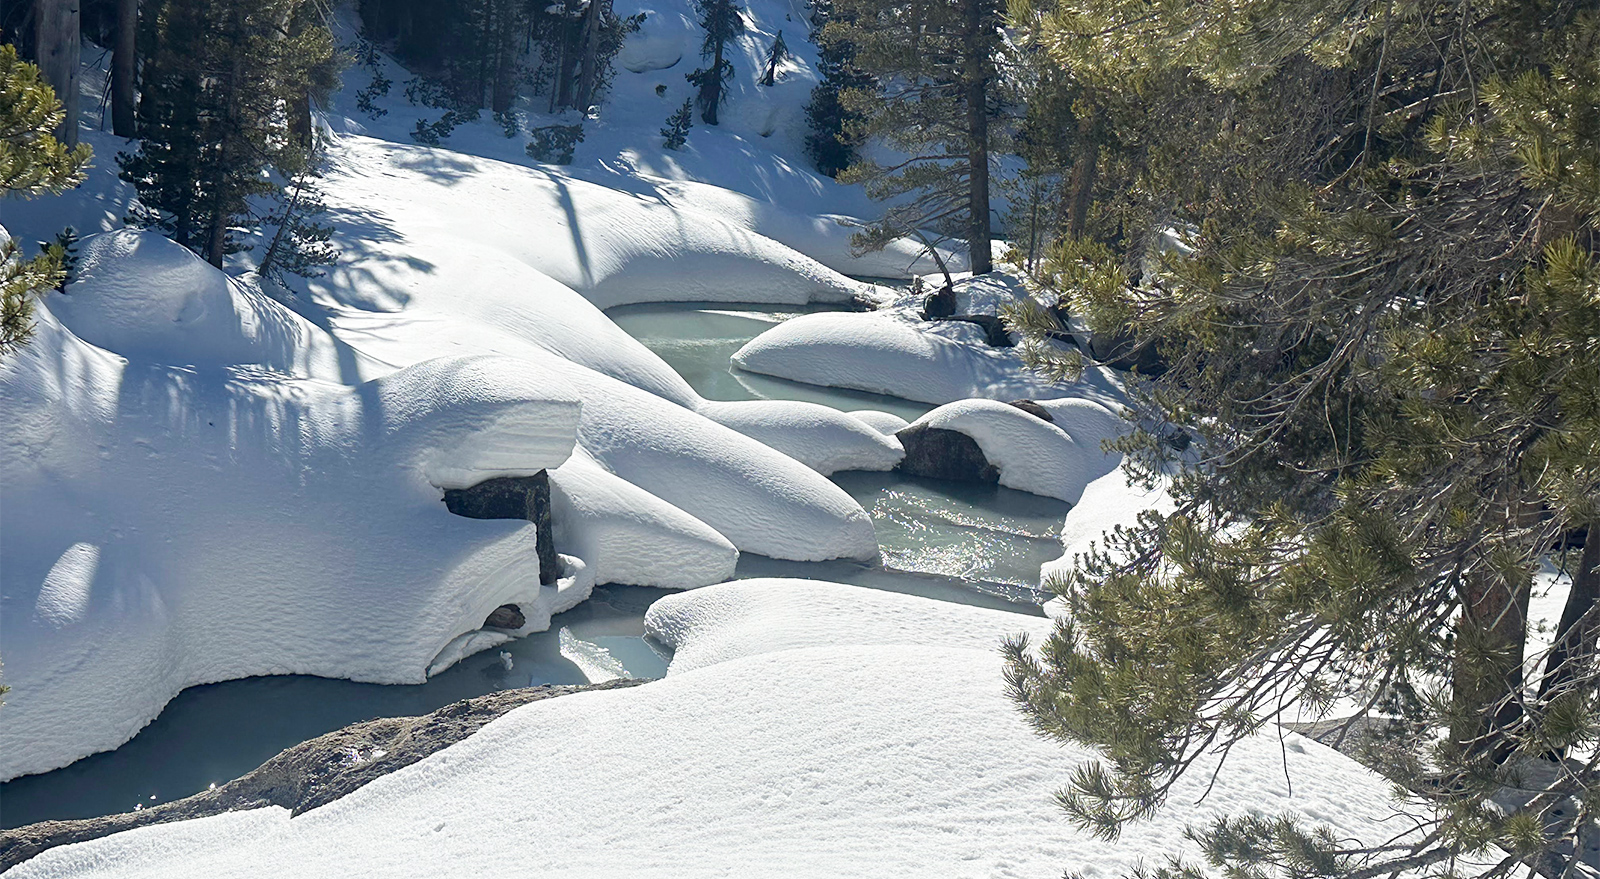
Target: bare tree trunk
56,30
124,68
715,88
1578,634
1084,171
977,97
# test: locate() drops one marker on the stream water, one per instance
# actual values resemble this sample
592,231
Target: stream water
979,545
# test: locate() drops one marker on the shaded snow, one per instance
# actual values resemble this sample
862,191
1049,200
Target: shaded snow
1051,459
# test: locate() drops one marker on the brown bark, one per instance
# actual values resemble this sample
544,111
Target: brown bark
124,68
1084,172
589,71
1487,677
56,32
977,99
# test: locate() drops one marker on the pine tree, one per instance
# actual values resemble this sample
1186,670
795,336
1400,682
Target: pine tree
212,113
778,54
722,20
831,140
1380,327
676,134
938,60
32,163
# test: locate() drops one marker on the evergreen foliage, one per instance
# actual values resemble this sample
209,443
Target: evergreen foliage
555,143
722,20
301,242
676,134
777,55
831,142
32,163
216,82
1364,238
938,62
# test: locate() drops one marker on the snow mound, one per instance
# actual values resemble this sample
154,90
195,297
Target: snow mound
198,527
840,761
141,295
628,535
820,437
882,422
765,615
613,247
1031,454
1107,503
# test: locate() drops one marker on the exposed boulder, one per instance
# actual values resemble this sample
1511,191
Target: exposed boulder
1122,351
1033,409
995,334
513,497
939,304
506,616
944,454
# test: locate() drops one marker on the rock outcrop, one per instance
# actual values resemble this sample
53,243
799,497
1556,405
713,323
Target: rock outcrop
513,497
937,453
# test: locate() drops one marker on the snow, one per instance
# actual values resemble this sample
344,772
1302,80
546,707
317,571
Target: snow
1109,502
893,351
864,759
770,614
821,437
630,535
882,422
1050,459
167,526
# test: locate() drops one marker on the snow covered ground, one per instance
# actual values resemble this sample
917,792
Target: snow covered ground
813,730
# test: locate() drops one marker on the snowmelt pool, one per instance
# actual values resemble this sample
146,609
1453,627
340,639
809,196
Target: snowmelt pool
971,544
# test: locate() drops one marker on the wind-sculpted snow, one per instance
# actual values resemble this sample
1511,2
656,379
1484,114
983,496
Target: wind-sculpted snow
1051,459
629,534
860,756
201,524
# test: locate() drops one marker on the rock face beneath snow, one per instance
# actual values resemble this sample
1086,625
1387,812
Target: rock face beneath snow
306,776
506,616
1034,409
513,497
944,454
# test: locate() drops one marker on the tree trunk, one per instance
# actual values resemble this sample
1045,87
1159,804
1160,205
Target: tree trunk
589,71
977,98
1084,171
124,68
56,31
714,88
1578,634
1487,677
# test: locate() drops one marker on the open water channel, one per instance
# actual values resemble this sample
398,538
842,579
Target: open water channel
972,544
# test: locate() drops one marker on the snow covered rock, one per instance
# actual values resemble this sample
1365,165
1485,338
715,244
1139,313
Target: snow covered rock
820,437
628,535
769,614
882,422
845,760
1026,452
166,527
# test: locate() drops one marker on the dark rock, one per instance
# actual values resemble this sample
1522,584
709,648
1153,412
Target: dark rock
995,333
1033,409
506,616
1121,351
306,776
944,454
939,304
513,497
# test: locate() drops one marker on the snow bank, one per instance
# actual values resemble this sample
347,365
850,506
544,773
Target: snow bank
765,615
820,437
166,527
628,535
1107,502
1031,454
882,422
886,760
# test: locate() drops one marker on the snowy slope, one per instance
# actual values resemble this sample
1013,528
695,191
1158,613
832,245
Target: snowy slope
1051,459
866,760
